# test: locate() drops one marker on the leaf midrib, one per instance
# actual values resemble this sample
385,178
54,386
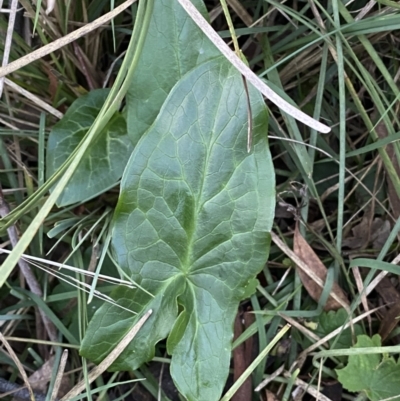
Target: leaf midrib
197,206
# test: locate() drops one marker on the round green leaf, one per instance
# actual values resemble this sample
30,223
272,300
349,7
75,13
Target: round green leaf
377,377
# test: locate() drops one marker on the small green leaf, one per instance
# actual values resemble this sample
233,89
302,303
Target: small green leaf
332,320
174,45
250,288
192,228
102,166
378,377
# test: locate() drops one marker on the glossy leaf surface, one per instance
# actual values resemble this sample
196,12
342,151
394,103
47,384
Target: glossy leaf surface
191,227
174,45
102,166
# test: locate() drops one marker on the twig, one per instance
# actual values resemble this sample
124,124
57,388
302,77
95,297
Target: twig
26,270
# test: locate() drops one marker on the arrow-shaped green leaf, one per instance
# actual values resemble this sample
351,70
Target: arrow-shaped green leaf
191,227
106,159
174,45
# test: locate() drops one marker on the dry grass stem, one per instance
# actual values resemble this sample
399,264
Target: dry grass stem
21,370
309,389
35,99
59,43
26,270
380,277
98,370
270,378
60,374
7,44
360,288
248,73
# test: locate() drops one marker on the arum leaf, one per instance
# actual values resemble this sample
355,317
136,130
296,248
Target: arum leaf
192,228
174,45
106,159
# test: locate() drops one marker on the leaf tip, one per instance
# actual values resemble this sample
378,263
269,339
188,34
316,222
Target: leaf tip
324,129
